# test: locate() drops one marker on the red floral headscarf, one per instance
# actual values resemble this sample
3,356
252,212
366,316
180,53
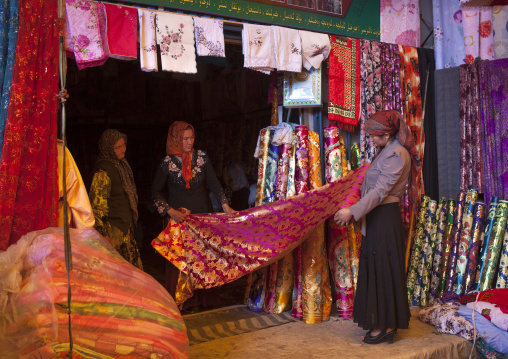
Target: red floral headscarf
174,146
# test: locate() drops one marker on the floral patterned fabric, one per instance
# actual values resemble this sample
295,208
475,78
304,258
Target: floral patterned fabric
28,167
209,36
400,22
446,320
496,313
500,30
258,49
8,39
175,36
448,34
147,43
85,35
124,243
487,351
478,35
288,49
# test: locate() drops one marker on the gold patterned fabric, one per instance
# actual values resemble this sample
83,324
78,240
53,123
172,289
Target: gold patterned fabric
214,249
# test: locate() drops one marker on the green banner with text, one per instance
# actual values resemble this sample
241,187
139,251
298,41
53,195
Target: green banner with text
356,18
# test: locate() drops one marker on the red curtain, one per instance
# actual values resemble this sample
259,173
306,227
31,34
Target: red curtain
28,167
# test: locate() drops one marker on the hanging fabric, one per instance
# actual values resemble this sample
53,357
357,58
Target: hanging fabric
478,36
400,22
209,34
258,48
85,36
315,49
147,41
9,22
122,31
390,77
344,82
288,49
28,167
500,30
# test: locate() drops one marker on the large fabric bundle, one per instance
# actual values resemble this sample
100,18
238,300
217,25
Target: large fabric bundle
117,311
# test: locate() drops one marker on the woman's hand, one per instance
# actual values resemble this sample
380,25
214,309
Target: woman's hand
177,216
230,211
343,216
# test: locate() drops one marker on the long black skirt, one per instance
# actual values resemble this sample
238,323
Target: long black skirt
381,292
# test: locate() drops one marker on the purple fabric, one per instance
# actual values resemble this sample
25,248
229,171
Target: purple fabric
390,75
493,78
471,169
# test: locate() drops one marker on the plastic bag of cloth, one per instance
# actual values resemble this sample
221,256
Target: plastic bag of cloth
117,310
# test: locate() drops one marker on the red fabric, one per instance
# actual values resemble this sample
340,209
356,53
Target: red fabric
494,296
122,28
174,146
344,82
28,167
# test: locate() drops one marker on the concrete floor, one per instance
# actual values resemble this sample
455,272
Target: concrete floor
335,339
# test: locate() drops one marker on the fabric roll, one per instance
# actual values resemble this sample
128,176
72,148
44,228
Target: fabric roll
9,22
465,239
419,237
478,36
499,21
471,167
487,233
270,287
288,49
85,36
332,154
474,249
271,173
315,49
315,177
457,225
282,172
502,275
122,31
344,82
264,137
448,34
175,36
258,50
209,37
370,93
494,248
147,41
447,244
400,23
284,288
494,117
390,77
291,191
355,156
355,241
343,151
438,252
427,253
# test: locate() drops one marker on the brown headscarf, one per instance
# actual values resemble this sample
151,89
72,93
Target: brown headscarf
174,146
107,153
391,122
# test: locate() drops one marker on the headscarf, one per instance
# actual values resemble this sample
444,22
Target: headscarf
391,122
107,153
174,146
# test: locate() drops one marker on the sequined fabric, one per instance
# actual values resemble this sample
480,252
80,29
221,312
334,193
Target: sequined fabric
487,233
214,249
438,252
28,167
457,225
474,249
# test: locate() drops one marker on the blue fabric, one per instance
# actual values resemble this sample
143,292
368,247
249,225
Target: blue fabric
449,50
9,25
492,335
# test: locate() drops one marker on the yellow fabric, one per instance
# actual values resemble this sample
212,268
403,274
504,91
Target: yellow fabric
79,210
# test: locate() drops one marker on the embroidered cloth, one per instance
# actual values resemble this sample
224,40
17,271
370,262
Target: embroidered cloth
122,31
175,36
288,49
213,249
209,36
85,35
258,48
315,49
147,44
344,82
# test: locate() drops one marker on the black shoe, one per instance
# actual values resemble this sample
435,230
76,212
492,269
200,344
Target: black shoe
381,337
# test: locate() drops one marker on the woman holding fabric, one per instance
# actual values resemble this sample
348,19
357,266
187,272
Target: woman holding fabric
381,304
113,196
185,172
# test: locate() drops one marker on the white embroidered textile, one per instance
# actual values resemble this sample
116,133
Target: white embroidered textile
315,49
147,44
258,49
209,36
287,48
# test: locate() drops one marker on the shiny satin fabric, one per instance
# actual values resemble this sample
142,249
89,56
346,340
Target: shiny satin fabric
263,159
419,238
271,172
465,240
333,154
486,240
291,190
502,275
214,249
355,156
474,248
343,152
427,254
457,225
447,245
438,252
494,248
283,172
